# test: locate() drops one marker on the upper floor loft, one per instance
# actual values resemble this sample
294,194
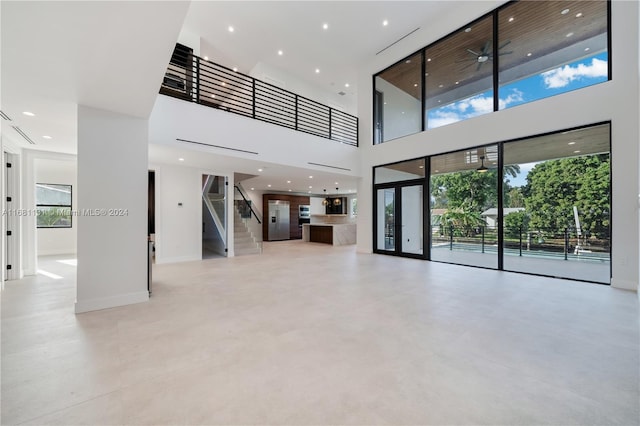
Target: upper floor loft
194,79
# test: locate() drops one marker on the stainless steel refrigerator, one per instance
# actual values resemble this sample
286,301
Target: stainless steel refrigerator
279,220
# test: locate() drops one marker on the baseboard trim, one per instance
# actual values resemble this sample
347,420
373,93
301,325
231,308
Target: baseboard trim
111,302
624,284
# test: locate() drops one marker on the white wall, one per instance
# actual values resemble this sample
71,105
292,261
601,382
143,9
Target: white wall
179,228
173,119
273,75
616,100
189,39
401,112
316,206
113,179
52,241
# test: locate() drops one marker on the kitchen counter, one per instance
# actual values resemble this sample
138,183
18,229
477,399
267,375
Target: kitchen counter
338,234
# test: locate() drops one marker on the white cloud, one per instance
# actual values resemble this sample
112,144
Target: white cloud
468,108
561,77
514,96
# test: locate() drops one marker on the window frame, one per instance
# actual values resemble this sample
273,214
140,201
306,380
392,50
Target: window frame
59,206
496,67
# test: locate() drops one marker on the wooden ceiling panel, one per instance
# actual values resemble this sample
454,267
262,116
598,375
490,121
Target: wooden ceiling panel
574,143
529,30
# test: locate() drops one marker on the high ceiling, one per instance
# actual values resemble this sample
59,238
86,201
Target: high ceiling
112,55
56,55
354,34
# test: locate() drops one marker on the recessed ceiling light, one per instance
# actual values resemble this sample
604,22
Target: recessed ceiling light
529,54
280,52
441,86
457,82
317,70
426,74
511,19
213,96
206,58
310,177
436,171
288,181
408,61
572,143
231,29
577,151
259,170
467,30
586,49
269,185
224,84
578,15
325,26
47,137
336,183
180,159
346,85
235,69
309,192
421,167
289,190
310,186
415,84
385,23
385,103
29,113
428,59
252,189
403,112
564,12
569,34
439,101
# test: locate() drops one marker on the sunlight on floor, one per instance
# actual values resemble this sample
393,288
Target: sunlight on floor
49,274
72,262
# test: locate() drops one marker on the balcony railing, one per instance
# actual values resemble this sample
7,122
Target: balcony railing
196,80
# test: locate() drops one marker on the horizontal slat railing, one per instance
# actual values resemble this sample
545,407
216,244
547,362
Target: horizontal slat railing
193,79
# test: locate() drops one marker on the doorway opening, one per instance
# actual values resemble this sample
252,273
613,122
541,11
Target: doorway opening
214,216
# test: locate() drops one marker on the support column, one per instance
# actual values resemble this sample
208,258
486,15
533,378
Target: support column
112,209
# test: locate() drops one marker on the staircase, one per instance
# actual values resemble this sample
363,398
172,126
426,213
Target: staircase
243,239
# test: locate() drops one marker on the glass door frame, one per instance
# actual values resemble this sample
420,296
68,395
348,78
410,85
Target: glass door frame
500,166
426,237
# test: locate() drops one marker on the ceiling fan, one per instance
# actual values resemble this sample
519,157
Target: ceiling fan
485,54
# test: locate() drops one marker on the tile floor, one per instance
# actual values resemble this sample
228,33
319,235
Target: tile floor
314,334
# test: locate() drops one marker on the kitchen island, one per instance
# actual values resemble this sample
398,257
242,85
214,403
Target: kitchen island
338,234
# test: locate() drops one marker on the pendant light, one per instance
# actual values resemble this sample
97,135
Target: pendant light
326,199
482,168
337,201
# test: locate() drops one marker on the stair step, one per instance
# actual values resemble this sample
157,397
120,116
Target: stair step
244,240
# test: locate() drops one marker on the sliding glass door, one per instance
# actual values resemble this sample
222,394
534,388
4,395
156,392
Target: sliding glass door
464,201
557,205
538,205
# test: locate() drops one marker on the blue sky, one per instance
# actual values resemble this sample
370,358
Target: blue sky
565,78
